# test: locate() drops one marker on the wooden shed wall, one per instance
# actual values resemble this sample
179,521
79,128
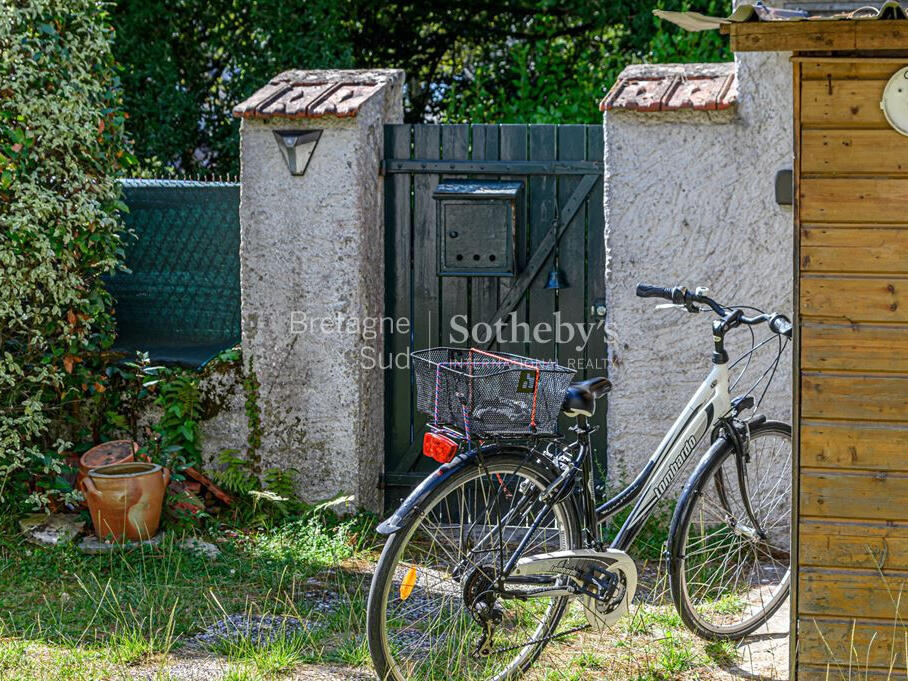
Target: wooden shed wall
851,173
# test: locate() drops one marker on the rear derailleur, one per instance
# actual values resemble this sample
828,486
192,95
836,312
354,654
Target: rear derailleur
481,599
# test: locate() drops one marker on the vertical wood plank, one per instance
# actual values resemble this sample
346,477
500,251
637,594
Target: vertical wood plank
514,148
794,606
571,303
426,145
455,145
399,403
542,202
595,355
484,290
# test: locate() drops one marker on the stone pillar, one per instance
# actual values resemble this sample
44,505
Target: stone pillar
312,274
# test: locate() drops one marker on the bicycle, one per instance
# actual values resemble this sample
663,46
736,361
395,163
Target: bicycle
486,555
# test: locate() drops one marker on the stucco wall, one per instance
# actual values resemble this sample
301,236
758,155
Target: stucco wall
689,200
312,249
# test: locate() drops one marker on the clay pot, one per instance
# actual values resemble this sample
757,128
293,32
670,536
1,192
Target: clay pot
115,451
125,499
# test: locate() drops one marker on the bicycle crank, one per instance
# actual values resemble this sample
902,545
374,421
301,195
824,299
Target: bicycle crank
604,581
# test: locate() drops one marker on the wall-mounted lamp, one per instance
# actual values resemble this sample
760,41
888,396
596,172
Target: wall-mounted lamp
296,147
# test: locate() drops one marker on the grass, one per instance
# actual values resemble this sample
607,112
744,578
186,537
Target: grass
280,654
65,616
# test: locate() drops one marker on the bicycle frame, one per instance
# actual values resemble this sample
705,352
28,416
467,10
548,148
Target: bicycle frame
711,402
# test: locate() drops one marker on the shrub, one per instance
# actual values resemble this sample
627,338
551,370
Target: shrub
61,145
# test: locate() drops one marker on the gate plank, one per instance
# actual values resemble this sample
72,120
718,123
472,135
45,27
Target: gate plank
853,151
542,194
595,351
514,148
571,248
426,144
400,403
484,290
455,145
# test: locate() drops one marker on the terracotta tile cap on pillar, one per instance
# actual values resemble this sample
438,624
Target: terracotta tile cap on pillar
673,87
313,94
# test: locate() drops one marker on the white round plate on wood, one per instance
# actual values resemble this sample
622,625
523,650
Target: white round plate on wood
895,101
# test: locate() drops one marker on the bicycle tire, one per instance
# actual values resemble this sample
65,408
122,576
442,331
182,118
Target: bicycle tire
386,666
706,487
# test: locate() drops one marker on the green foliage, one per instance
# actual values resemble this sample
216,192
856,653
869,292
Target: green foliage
259,499
178,444
558,71
317,538
251,391
189,62
61,148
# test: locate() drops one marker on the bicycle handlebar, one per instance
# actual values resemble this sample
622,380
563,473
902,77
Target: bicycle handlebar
679,295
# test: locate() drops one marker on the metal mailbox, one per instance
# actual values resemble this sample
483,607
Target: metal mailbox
476,223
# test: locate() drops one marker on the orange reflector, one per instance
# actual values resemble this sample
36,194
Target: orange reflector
406,586
439,447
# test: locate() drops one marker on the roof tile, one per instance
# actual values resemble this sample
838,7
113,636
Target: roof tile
673,87
313,94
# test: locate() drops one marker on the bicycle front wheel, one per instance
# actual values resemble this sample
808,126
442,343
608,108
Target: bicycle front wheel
435,610
730,565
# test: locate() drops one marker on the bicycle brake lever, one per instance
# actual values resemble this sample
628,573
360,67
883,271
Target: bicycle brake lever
678,306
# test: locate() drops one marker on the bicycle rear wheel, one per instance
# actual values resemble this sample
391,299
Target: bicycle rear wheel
434,586
729,577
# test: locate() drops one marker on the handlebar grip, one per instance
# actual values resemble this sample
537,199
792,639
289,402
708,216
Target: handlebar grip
647,291
781,325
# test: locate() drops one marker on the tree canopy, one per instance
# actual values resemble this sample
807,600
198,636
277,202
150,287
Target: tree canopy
187,62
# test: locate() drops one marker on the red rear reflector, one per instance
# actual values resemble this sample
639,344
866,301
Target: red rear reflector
439,447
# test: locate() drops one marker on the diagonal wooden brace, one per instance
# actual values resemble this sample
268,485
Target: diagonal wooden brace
542,252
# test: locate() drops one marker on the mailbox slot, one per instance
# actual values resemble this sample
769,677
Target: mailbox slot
476,222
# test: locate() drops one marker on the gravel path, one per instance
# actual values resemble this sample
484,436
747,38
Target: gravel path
764,654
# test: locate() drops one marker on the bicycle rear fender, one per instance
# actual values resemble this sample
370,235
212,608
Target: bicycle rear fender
414,502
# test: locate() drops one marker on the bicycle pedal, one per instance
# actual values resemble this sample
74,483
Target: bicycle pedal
580,566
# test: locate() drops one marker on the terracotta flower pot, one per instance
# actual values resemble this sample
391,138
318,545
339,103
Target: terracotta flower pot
105,454
125,499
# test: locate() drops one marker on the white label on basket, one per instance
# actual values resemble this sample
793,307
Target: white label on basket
527,382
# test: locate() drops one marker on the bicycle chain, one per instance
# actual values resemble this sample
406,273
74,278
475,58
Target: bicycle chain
544,639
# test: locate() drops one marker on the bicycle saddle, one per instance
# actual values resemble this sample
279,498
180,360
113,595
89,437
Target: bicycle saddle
580,397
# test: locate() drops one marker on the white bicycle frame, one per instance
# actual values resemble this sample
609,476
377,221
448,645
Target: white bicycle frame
711,401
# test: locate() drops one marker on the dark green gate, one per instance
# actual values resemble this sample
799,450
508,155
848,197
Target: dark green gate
559,229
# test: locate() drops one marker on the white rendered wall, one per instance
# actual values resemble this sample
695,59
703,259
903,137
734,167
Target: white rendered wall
311,268
689,200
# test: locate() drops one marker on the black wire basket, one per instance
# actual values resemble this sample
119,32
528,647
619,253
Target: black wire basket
488,394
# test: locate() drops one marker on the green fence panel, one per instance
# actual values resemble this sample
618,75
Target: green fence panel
180,300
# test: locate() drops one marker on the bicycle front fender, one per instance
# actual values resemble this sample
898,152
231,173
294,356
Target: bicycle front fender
690,490
413,503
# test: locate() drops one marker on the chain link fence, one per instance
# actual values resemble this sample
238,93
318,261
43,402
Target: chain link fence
180,299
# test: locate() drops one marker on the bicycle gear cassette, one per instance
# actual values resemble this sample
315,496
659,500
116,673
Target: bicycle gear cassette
605,581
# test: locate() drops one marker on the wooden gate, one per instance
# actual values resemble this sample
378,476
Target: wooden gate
560,228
